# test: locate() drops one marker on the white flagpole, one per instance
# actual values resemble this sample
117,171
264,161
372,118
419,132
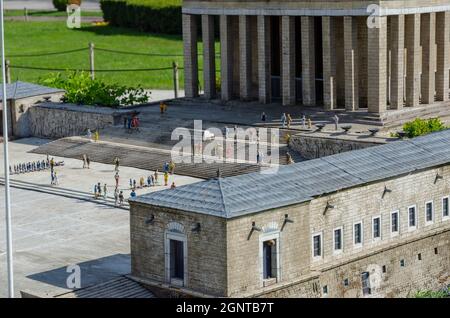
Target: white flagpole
6,161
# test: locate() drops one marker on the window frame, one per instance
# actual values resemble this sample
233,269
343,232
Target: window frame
412,228
445,217
396,233
320,234
360,244
376,239
339,251
181,237
426,213
264,237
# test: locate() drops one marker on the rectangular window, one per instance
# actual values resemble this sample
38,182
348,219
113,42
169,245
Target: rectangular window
176,259
270,259
317,245
357,234
337,239
365,281
412,217
429,217
445,208
394,223
376,227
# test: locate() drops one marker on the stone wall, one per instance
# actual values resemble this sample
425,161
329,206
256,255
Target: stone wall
225,258
63,120
317,145
206,249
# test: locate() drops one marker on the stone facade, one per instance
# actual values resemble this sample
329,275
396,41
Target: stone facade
65,120
324,144
225,257
335,54
19,113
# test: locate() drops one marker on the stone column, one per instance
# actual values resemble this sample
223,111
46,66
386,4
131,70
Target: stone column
428,41
226,58
245,56
397,60
288,59
376,70
209,56
443,53
329,62
412,31
308,61
351,63
264,69
190,55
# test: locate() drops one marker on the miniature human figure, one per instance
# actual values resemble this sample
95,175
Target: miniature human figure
304,121
141,182
125,121
258,157
173,186
171,167
289,120
336,122
309,123
116,196
116,163
105,190
283,120
88,161
134,184
156,177
89,134
289,159
149,181
121,197
99,189
52,182
263,116
96,136
52,164
116,177
288,138
162,107
55,178
131,183
133,194
84,161
166,178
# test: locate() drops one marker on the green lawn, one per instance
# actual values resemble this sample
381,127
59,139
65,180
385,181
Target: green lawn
37,37
53,13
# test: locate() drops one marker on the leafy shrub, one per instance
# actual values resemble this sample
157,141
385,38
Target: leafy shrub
60,5
157,16
420,127
444,293
81,89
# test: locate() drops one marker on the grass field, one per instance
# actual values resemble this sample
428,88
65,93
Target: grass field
36,37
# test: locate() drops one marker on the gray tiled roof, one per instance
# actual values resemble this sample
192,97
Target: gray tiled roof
301,182
18,90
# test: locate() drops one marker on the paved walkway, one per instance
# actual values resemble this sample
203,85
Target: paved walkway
64,226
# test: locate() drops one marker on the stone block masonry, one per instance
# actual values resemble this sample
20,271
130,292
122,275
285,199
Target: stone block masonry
65,120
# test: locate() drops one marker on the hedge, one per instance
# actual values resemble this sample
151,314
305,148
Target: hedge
156,16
